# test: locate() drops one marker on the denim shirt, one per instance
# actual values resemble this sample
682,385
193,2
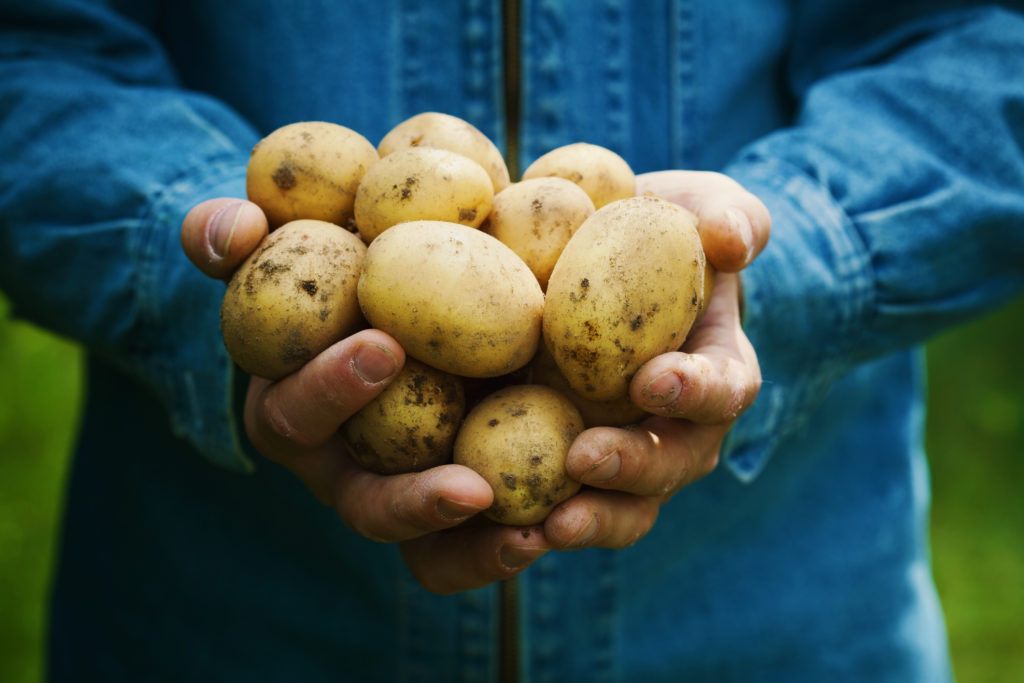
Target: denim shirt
886,138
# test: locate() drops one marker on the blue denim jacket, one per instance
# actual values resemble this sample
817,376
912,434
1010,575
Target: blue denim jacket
886,138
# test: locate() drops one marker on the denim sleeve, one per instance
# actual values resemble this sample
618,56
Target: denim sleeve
897,203
101,156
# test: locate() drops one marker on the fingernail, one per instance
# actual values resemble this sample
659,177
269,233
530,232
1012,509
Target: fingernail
603,470
373,364
584,535
514,557
222,228
663,389
741,224
455,511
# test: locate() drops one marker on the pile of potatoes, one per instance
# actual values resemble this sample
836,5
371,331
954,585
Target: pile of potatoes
524,307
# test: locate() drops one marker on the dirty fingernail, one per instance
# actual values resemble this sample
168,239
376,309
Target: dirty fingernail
514,557
741,224
585,535
603,470
222,228
455,511
373,364
663,389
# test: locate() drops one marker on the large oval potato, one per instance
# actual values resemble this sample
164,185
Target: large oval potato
455,298
422,183
293,297
627,287
517,439
536,218
411,425
434,129
602,173
309,169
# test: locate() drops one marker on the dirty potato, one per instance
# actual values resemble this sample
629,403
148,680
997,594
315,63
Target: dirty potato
309,169
293,297
536,218
434,129
455,298
603,174
517,439
422,183
411,425
627,287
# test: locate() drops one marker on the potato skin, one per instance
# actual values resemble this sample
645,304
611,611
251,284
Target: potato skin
602,173
293,297
308,169
422,183
435,129
455,298
517,439
627,287
536,218
411,425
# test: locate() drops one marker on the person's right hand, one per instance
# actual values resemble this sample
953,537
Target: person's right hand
294,422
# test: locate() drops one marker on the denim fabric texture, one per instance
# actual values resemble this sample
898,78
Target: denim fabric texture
885,137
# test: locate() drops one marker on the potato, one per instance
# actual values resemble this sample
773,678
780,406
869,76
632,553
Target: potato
517,439
309,169
603,174
293,297
536,218
434,129
616,412
422,183
455,298
627,287
411,425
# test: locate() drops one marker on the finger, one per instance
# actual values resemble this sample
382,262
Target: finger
734,225
306,408
472,555
655,458
406,506
715,377
218,234
602,519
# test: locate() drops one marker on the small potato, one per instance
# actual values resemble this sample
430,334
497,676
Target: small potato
293,297
434,129
517,439
422,183
603,174
627,287
309,169
536,218
616,412
455,298
411,425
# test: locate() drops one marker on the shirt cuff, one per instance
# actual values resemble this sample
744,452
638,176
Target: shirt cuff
804,296
188,364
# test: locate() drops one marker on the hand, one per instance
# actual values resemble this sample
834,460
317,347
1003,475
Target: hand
294,422
695,393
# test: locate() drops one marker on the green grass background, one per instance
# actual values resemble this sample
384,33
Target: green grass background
975,439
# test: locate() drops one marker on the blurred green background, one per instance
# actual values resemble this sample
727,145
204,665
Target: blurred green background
975,439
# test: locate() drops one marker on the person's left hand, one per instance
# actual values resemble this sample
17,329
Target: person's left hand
694,395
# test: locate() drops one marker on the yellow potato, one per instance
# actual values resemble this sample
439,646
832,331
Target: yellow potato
603,174
517,439
434,129
309,169
411,425
616,412
422,183
293,297
455,298
627,287
536,218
